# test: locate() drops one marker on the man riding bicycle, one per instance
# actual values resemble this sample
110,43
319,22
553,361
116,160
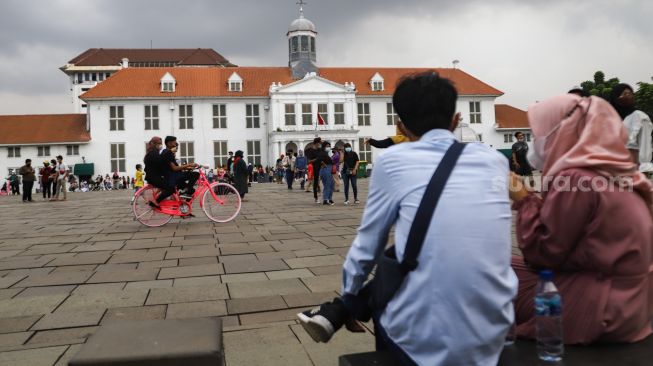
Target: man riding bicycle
163,171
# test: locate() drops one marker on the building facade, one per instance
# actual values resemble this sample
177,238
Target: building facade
95,65
220,107
42,137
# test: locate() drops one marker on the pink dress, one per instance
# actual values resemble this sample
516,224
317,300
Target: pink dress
600,245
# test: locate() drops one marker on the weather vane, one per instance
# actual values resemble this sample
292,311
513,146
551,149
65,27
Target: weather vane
301,4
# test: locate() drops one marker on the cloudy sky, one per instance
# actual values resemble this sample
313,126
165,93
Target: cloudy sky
528,49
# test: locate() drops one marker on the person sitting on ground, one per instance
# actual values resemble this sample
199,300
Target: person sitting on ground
596,234
455,307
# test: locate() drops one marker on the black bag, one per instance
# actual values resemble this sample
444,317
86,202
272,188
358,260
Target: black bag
390,274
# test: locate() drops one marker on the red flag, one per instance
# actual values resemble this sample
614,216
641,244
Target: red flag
320,120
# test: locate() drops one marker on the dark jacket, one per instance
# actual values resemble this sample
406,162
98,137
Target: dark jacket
240,176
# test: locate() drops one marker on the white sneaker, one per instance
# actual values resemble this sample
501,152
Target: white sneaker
318,202
357,202
347,203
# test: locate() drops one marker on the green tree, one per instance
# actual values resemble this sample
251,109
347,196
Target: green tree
602,88
599,86
644,97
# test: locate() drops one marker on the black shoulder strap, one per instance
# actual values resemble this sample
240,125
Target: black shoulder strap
427,206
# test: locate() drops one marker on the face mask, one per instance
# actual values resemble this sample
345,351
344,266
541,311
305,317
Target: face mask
327,149
536,154
348,149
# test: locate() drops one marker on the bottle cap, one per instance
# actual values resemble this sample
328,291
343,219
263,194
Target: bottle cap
546,275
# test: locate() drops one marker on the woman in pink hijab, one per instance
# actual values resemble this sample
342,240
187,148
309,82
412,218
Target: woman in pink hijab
592,226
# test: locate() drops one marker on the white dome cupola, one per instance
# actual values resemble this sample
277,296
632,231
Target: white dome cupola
301,45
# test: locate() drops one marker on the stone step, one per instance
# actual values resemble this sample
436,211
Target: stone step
154,342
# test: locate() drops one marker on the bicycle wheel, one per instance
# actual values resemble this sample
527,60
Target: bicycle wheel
227,205
143,212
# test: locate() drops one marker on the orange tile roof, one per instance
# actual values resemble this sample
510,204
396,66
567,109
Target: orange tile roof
510,117
43,129
180,56
212,82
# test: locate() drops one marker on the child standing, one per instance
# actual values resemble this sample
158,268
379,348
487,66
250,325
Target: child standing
309,172
138,177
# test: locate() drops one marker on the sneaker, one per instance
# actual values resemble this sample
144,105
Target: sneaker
347,203
322,322
317,201
357,202
154,205
331,202
325,203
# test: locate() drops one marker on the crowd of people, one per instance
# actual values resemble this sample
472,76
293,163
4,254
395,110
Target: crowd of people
53,179
320,169
115,182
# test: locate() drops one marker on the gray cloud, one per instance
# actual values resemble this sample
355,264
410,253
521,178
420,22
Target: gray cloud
528,49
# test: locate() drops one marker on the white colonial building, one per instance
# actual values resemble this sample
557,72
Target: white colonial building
263,111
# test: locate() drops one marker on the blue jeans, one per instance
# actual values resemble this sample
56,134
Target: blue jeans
346,179
301,175
358,307
290,177
327,183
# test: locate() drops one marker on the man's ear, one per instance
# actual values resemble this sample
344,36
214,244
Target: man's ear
455,121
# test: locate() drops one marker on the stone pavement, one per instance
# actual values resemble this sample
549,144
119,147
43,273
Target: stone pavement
68,267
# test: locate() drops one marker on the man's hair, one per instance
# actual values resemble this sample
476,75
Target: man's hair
230,152
59,157
425,101
170,139
518,133
290,151
317,140
27,161
325,143
138,166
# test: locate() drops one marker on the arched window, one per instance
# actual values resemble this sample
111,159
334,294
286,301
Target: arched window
304,44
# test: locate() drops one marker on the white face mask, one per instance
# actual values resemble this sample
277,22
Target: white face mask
536,154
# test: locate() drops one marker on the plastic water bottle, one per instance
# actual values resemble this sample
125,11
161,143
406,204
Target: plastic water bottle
548,321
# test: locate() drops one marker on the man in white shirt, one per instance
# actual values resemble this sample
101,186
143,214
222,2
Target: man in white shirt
62,177
455,307
638,124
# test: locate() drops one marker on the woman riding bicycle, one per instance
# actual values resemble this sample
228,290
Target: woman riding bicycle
158,166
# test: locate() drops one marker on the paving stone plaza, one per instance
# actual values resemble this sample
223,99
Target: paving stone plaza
67,268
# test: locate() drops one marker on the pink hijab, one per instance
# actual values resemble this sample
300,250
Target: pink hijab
585,133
